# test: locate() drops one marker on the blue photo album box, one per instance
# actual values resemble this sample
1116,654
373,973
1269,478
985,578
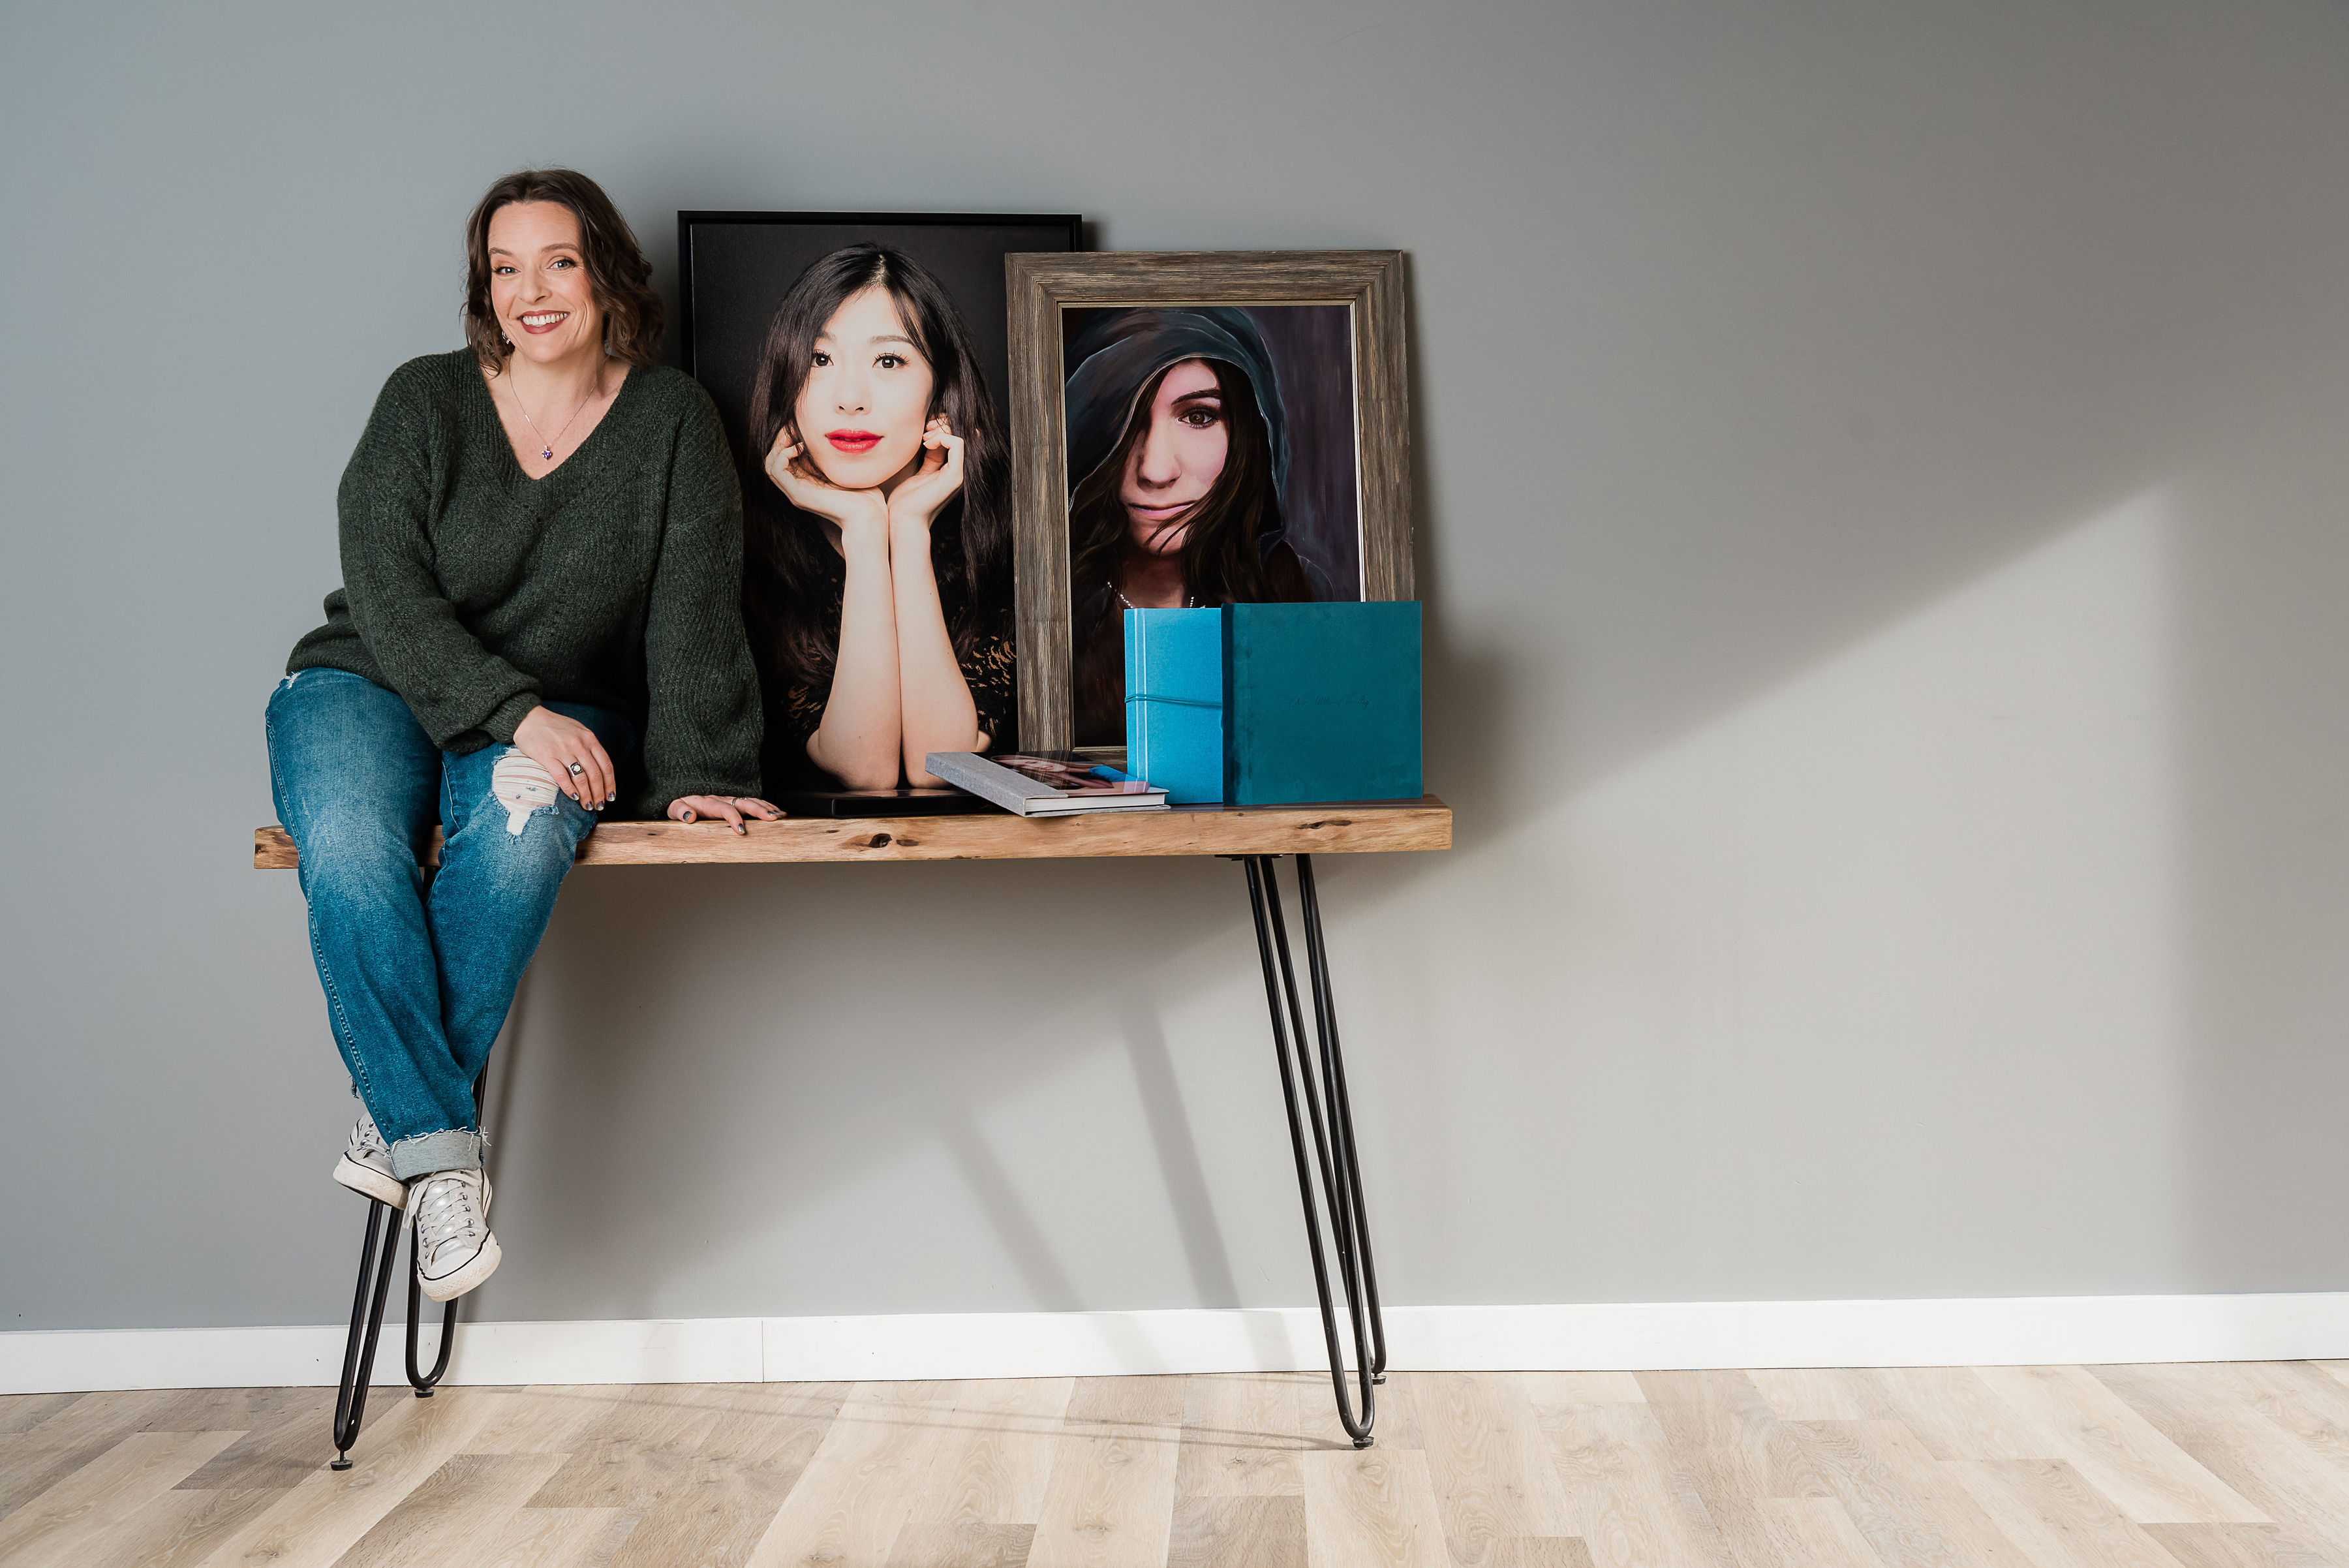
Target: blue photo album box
1320,702
1175,702
1275,704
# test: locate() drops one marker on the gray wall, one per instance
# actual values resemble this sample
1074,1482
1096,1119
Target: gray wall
1882,474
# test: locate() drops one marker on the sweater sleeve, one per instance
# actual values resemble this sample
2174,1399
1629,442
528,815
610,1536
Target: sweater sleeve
463,694
702,720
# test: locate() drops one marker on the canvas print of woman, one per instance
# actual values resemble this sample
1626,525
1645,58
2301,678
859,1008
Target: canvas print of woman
1190,460
879,588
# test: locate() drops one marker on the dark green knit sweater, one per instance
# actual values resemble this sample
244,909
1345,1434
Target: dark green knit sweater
476,592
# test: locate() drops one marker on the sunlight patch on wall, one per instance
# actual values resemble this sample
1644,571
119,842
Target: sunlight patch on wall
1927,887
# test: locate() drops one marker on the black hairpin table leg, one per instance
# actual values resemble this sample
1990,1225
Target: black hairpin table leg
366,1325
367,1318
425,1382
1330,1114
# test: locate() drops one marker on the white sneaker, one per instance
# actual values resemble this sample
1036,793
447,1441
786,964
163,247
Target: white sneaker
366,1165
454,1249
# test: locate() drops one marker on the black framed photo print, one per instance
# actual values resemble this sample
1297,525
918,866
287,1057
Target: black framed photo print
848,355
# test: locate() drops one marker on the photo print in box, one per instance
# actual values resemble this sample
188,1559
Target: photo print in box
833,344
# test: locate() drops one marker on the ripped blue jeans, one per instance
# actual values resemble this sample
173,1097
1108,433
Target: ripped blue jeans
418,973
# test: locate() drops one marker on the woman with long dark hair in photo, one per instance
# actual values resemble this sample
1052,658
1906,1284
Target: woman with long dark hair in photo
1177,453
880,593
539,618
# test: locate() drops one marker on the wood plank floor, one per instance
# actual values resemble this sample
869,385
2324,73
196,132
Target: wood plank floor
2228,1466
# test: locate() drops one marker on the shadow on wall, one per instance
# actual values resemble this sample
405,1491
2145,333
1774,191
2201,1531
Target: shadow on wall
820,1027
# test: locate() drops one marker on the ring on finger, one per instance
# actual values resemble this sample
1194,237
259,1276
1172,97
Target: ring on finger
575,769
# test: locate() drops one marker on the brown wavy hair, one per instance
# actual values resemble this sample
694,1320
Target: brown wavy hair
617,273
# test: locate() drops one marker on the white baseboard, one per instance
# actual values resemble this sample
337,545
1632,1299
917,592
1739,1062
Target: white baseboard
2003,1331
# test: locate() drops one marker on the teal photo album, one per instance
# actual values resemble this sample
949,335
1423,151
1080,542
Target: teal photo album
1273,704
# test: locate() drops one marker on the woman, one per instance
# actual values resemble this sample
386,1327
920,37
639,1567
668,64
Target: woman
541,560
1177,454
880,598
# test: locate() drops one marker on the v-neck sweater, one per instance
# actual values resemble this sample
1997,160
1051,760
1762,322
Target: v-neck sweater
477,593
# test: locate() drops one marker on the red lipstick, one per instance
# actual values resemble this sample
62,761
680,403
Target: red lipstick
856,443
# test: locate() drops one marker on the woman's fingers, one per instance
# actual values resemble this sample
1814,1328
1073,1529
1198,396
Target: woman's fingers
950,470
786,465
587,773
718,807
606,788
753,806
557,762
940,475
571,755
805,486
780,451
783,467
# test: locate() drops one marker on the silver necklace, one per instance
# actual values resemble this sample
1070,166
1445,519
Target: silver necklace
1190,601
546,448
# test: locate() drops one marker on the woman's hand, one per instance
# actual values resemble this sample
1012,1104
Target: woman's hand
732,807
806,488
570,756
916,499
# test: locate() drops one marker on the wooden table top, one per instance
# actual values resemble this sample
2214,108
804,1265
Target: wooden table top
1338,828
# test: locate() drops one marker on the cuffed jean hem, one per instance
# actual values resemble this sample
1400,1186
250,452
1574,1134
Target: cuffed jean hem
451,1149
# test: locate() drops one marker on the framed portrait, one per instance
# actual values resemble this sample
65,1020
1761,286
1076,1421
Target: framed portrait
1195,429
841,350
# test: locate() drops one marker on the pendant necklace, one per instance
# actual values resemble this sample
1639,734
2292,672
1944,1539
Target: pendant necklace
546,448
1190,601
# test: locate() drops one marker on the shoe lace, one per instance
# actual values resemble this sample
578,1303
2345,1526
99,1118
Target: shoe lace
366,1139
448,1212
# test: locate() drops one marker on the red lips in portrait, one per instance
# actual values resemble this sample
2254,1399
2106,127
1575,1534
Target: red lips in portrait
856,443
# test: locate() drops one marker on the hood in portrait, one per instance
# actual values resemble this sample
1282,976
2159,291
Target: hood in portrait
1116,353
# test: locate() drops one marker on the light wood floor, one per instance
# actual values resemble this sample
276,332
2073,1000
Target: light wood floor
2237,1466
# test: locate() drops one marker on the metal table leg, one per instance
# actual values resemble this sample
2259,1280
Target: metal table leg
425,1382
366,1325
367,1318
1331,1113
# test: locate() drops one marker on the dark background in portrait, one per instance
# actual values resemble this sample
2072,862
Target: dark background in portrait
734,269
1312,349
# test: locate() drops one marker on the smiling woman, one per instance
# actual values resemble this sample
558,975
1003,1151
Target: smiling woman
583,250
539,618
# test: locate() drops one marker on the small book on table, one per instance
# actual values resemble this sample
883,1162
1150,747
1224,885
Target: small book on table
1045,783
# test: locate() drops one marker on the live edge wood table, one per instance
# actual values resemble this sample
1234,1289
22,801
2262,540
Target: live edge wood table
1257,837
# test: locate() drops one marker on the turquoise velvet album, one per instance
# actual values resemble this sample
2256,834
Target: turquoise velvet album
1175,702
1275,704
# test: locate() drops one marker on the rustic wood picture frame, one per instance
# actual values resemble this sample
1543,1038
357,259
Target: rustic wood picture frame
1038,285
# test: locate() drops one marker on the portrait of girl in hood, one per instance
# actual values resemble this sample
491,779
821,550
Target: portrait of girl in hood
878,531
1184,476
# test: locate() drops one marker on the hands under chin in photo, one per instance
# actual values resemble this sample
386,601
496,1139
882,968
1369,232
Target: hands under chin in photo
794,472
918,497
912,502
